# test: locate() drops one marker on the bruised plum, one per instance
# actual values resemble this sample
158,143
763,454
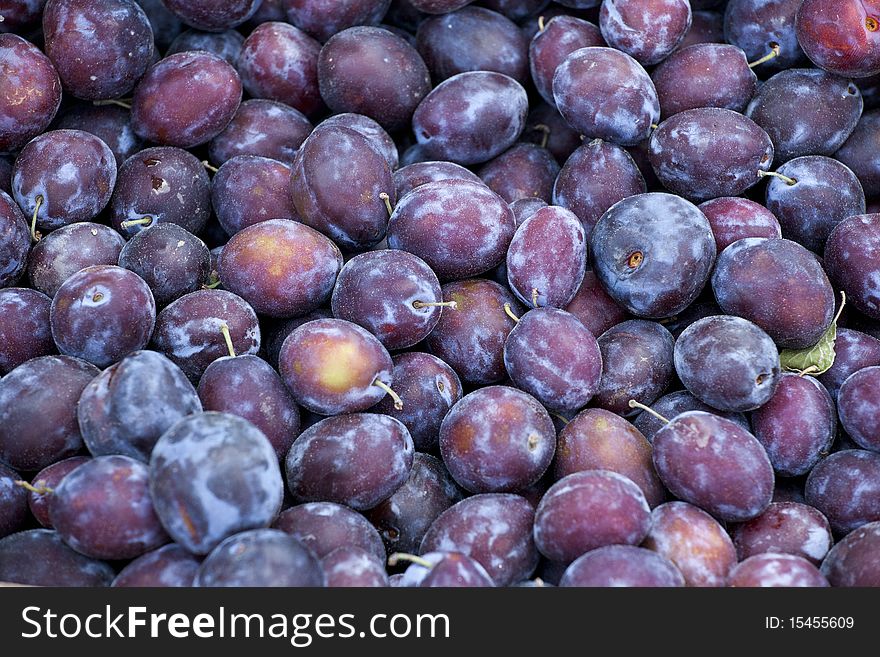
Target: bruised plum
393,294
471,339
552,356
653,253
161,184
358,460
213,475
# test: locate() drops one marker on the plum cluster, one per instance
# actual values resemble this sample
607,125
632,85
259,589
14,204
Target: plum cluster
430,293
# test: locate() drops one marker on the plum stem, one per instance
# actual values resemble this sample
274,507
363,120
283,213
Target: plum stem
224,329
541,25
510,312
42,490
842,304
387,199
774,52
809,370
788,181
398,402
535,297
654,126
210,167
541,127
112,101
35,236
434,304
213,281
560,418
397,557
143,221
634,404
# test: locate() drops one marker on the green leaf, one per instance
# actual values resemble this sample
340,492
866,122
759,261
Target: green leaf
817,359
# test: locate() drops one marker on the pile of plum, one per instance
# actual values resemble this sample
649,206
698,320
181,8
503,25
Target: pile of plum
440,292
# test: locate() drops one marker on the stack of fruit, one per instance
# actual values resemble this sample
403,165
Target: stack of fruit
440,292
